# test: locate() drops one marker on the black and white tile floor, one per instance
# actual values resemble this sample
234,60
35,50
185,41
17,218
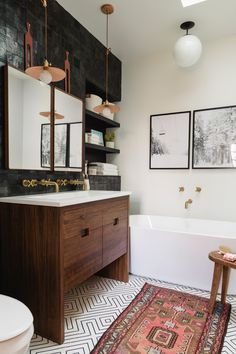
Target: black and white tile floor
94,305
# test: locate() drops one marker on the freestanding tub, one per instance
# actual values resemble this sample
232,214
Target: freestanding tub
176,249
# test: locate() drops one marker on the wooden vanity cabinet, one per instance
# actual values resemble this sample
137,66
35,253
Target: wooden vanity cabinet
45,251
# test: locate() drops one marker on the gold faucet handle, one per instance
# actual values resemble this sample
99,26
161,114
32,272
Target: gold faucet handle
43,182
181,189
62,182
76,182
34,182
29,183
26,183
198,189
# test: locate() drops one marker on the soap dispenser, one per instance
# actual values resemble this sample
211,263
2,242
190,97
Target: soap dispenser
86,179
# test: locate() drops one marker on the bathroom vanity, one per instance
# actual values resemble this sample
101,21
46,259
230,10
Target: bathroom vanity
49,243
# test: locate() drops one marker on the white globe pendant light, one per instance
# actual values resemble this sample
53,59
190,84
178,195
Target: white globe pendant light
188,49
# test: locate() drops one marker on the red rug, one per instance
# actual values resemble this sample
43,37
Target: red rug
165,321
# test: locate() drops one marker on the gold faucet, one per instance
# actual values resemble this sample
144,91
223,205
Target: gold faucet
181,189
46,183
76,182
198,189
186,204
72,182
43,182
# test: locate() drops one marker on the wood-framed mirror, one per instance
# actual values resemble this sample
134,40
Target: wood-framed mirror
25,99
43,125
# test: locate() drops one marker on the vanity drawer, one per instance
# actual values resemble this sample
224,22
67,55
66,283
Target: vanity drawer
114,211
115,241
82,257
76,221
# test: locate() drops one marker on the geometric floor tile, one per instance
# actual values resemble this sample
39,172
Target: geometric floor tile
94,305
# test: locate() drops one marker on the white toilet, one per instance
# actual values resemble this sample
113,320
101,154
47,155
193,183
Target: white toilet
16,326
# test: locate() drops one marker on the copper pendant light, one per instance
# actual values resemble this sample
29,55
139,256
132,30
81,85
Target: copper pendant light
47,115
46,73
107,9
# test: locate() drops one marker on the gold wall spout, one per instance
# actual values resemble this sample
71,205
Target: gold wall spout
48,182
186,204
198,189
181,189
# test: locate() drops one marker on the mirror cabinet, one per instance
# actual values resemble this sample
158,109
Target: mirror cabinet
43,125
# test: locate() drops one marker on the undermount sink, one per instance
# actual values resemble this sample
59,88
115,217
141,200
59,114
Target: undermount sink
63,198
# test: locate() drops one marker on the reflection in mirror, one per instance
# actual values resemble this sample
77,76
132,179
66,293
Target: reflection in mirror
27,97
68,132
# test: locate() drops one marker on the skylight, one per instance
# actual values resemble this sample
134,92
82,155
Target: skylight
190,2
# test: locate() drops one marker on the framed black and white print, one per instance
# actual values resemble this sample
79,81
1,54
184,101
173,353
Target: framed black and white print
214,137
45,145
60,145
75,145
170,140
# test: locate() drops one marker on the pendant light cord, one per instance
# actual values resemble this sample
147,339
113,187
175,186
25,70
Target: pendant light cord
44,2
107,54
46,31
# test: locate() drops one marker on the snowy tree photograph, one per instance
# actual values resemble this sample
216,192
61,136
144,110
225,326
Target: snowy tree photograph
169,140
214,138
60,145
45,145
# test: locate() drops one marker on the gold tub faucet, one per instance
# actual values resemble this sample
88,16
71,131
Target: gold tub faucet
186,204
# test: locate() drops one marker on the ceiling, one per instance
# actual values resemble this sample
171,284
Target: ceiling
141,27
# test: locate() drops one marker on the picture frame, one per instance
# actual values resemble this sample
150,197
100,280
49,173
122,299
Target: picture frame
214,138
75,146
170,140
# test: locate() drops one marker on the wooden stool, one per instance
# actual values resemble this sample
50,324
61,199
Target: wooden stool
224,266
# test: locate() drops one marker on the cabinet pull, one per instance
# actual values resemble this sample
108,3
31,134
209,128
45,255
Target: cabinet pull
84,232
116,221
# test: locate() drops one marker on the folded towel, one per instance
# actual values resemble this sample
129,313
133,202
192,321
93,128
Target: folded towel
102,164
109,169
107,173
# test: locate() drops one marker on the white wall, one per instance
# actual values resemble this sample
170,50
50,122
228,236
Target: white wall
156,85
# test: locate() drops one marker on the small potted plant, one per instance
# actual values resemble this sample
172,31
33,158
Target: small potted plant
109,139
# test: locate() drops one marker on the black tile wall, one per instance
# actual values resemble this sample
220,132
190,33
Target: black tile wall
110,183
87,57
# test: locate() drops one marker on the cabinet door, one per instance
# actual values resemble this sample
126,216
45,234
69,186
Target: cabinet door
82,256
115,230
82,244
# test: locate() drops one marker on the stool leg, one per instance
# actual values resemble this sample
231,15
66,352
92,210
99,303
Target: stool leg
215,286
225,283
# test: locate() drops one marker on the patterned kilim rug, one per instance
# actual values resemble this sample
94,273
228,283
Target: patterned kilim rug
165,321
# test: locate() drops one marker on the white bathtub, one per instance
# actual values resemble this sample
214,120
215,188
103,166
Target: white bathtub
176,249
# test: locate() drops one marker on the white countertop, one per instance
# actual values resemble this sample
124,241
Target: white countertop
63,198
